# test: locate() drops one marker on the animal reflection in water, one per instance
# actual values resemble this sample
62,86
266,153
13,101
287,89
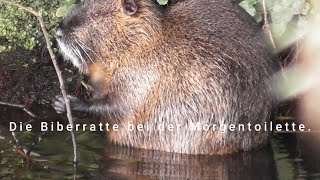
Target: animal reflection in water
126,163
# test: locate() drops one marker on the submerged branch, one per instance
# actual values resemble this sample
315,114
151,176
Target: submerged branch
34,144
16,148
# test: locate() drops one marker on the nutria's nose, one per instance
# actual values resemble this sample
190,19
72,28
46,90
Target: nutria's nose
71,21
59,34
63,24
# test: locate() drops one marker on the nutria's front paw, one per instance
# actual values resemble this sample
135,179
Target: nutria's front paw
76,104
60,105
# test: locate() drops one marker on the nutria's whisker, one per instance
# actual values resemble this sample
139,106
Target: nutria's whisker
85,48
78,53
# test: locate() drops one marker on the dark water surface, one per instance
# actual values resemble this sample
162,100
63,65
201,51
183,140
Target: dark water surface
290,156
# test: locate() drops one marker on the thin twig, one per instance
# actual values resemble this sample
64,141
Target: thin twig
15,147
18,148
14,135
285,118
28,158
12,147
58,71
99,167
23,107
268,31
34,144
266,24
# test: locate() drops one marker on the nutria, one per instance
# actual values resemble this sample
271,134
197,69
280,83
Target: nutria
192,61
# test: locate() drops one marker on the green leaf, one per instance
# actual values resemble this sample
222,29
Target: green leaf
63,11
71,1
162,2
87,86
258,17
2,48
249,6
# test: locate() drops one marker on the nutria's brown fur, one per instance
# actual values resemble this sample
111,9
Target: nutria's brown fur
194,61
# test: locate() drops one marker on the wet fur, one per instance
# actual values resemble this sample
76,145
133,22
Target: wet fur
194,61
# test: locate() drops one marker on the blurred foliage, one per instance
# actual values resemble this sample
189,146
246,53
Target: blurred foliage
162,2
21,29
287,18
65,8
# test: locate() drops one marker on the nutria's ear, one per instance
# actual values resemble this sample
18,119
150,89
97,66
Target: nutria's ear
130,7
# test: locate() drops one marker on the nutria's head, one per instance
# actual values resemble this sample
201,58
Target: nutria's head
105,30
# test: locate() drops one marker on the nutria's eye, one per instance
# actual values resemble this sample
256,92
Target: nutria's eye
130,7
95,15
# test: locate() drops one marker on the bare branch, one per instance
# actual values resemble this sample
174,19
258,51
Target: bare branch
267,25
58,71
16,148
23,107
34,144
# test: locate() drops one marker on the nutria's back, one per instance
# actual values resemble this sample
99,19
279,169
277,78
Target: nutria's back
196,61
